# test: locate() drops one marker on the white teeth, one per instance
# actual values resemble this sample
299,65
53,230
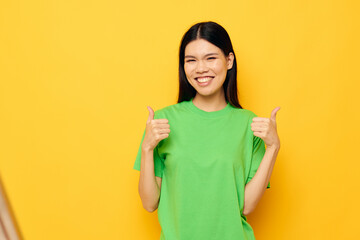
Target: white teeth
206,79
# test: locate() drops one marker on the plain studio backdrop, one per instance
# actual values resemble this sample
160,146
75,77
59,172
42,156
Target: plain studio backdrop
76,77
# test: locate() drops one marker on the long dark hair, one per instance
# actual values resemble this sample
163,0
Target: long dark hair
217,35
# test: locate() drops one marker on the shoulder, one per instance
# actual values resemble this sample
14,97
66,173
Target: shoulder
170,109
244,113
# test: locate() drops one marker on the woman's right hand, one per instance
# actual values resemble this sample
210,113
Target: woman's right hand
156,130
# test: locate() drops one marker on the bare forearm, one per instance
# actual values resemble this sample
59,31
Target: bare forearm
148,188
255,189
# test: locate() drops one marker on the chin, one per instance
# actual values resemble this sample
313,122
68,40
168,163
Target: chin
205,94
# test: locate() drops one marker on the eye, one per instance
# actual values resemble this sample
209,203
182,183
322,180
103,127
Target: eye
191,60
211,58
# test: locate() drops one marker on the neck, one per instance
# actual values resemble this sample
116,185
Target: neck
210,103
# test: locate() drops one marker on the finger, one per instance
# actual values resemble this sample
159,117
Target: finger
260,119
258,129
151,114
162,126
258,134
163,130
259,124
160,120
164,135
273,113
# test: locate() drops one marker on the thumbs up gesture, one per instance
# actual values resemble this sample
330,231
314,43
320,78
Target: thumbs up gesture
156,130
266,129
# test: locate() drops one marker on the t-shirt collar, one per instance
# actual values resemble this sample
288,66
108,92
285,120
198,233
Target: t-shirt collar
212,114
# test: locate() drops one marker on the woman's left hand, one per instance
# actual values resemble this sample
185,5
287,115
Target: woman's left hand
266,129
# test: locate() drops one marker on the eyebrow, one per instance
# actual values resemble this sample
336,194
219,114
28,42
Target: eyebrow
190,56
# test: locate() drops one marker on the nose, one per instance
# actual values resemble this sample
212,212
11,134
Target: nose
201,67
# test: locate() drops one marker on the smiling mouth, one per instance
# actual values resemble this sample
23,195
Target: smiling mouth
203,79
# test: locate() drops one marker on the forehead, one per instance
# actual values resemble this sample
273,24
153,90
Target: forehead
200,47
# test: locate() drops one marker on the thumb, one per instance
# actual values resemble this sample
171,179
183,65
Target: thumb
273,113
151,114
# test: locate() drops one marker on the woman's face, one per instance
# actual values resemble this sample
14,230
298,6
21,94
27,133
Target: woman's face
206,66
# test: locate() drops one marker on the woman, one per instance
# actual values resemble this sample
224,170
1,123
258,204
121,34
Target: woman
205,175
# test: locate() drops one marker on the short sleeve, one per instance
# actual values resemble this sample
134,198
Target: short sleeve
258,153
158,163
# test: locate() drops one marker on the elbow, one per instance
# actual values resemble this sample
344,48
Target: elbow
150,209
247,210
148,204
149,201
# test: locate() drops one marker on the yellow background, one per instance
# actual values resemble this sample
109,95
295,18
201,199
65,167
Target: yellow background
76,77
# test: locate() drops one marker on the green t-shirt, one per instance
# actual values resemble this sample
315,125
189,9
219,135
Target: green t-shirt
205,163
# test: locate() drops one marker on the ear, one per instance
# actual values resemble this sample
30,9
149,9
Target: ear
230,60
